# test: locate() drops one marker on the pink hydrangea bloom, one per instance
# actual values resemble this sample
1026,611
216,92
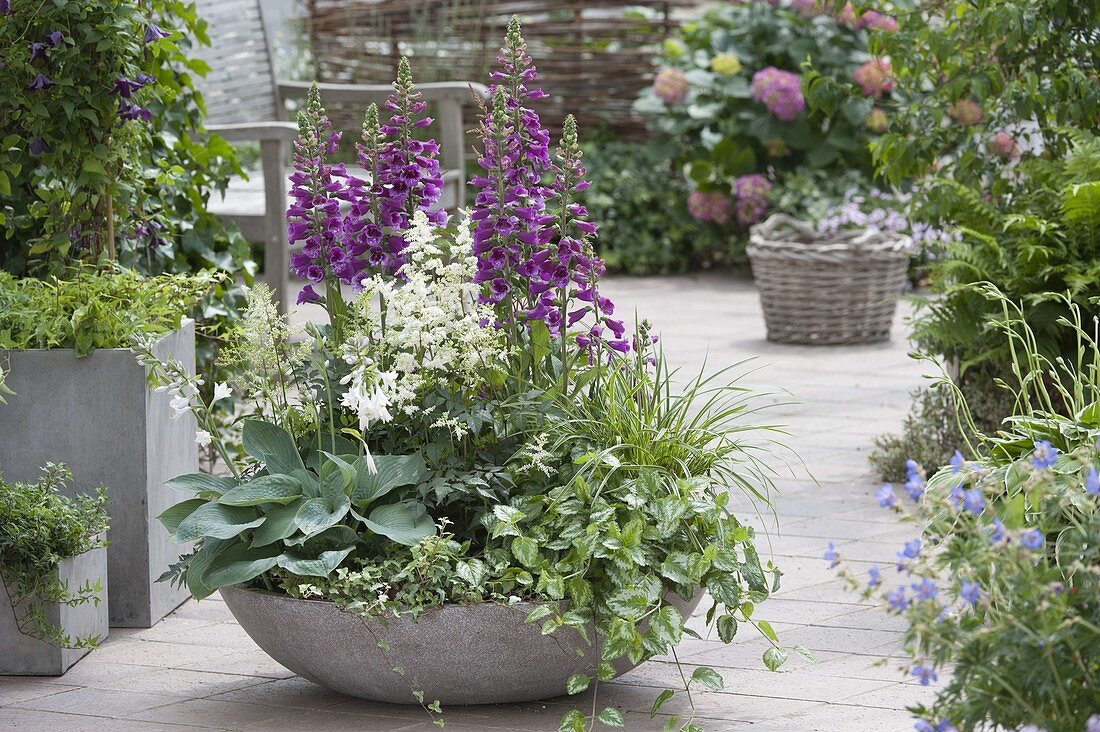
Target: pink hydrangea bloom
848,16
779,91
877,121
877,21
714,206
752,198
1003,145
671,86
965,111
875,77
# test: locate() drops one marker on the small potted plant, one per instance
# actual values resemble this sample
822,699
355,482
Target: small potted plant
836,280
472,473
53,575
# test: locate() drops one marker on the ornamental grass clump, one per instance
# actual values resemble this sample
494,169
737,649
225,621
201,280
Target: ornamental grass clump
1000,591
477,423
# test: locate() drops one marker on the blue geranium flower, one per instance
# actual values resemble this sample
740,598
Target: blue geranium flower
971,592
1045,454
957,462
1032,539
886,497
897,599
974,501
874,577
1092,483
831,556
925,590
926,674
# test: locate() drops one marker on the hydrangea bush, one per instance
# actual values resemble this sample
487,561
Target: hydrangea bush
475,423
1000,590
729,96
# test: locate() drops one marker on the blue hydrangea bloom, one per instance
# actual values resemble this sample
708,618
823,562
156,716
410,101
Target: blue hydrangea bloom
1045,454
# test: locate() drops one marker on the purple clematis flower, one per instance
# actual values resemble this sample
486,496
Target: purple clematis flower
37,146
154,33
41,81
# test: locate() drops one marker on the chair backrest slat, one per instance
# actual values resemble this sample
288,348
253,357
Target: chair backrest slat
241,84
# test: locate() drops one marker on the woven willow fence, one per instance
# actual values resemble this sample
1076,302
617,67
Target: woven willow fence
594,56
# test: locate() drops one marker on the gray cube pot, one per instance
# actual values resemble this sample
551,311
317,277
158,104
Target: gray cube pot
99,416
24,655
459,654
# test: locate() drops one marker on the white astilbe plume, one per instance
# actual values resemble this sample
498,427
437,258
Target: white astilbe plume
423,332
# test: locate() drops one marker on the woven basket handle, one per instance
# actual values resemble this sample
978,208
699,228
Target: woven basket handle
779,221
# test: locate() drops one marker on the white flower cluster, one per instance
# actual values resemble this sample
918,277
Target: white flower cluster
422,331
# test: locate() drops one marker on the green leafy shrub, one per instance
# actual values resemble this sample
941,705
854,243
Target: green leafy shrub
38,529
95,309
1002,585
729,96
641,202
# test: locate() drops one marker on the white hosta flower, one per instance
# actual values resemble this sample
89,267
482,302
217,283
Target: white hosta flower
181,400
222,391
202,438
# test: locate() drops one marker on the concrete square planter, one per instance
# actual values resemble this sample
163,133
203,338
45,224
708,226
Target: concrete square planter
99,416
24,655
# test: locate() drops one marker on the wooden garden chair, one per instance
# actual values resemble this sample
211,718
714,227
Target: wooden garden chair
245,102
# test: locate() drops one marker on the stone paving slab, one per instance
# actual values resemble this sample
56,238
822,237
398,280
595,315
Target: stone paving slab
197,670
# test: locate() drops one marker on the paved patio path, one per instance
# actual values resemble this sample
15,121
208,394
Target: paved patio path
197,669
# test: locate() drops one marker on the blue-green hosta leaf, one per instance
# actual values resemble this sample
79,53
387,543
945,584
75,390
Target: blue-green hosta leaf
317,514
394,471
216,521
276,488
238,564
172,517
400,522
202,560
201,483
272,445
279,524
334,537
311,487
321,566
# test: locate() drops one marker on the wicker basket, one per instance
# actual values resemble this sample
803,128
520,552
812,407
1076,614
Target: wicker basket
827,289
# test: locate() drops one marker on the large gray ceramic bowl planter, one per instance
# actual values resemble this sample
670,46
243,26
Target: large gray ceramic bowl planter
458,654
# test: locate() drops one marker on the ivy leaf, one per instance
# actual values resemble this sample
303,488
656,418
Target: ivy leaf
667,626
659,702
727,627
526,551
577,683
539,613
774,658
708,677
573,721
806,653
611,716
